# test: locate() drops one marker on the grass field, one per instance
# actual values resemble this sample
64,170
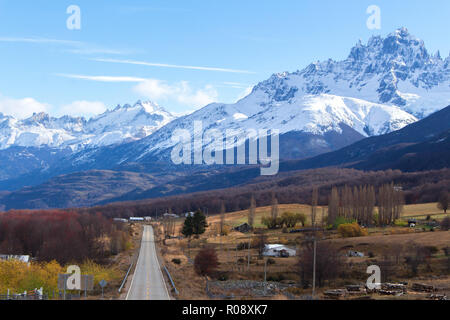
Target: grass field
419,211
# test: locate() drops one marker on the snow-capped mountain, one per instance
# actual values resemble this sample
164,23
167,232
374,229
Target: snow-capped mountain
122,124
381,87
396,71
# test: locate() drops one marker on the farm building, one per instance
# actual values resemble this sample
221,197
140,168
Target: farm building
244,228
136,219
278,250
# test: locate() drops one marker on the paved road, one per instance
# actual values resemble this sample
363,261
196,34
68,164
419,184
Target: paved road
148,282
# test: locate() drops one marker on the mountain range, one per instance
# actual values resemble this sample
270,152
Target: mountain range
383,87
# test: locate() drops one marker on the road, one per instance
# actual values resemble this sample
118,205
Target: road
148,281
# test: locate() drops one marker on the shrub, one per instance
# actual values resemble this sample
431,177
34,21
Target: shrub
176,261
401,223
271,261
272,223
206,262
350,230
342,220
445,224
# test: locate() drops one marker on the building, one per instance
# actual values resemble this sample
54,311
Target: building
22,258
244,228
278,250
148,218
120,220
170,215
189,214
136,219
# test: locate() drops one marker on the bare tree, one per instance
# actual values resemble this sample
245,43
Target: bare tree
222,219
443,201
274,211
314,201
251,212
333,206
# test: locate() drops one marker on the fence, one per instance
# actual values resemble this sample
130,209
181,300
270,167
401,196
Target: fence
171,281
23,297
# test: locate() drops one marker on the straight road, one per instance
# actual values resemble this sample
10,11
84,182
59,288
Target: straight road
148,281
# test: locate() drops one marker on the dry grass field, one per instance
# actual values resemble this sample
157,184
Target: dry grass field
234,263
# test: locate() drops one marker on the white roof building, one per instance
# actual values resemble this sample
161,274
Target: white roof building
278,250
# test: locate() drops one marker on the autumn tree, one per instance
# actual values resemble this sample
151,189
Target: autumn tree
328,263
443,201
206,262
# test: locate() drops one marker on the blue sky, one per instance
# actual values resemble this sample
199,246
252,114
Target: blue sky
181,54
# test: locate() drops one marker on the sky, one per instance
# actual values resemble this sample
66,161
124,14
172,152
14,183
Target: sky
180,54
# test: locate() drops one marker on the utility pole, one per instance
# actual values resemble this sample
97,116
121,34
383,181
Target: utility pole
314,268
248,259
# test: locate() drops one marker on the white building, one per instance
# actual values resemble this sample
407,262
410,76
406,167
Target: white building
22,258
278,250
136,219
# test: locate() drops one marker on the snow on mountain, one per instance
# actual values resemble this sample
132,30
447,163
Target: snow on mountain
124,123
396,70
382,86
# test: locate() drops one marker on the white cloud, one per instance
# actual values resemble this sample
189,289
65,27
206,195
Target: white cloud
176,66
181,92
82,108
22,108
77,47
103,78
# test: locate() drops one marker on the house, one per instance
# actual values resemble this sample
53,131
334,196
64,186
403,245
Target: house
120,220
355,254
136,219
244,228
278,250
189,214
22,258
148,218
170,215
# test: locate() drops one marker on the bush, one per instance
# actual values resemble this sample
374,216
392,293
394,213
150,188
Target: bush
401,223
272,223
206,262
271,261
176,261
445,224
350,230
342,220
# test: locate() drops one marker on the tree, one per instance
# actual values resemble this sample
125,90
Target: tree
443,201
206,262
260,243
289,219
300,217
251,212
333,206
274,210
188,227
199,223
222,218
314,200
328,263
